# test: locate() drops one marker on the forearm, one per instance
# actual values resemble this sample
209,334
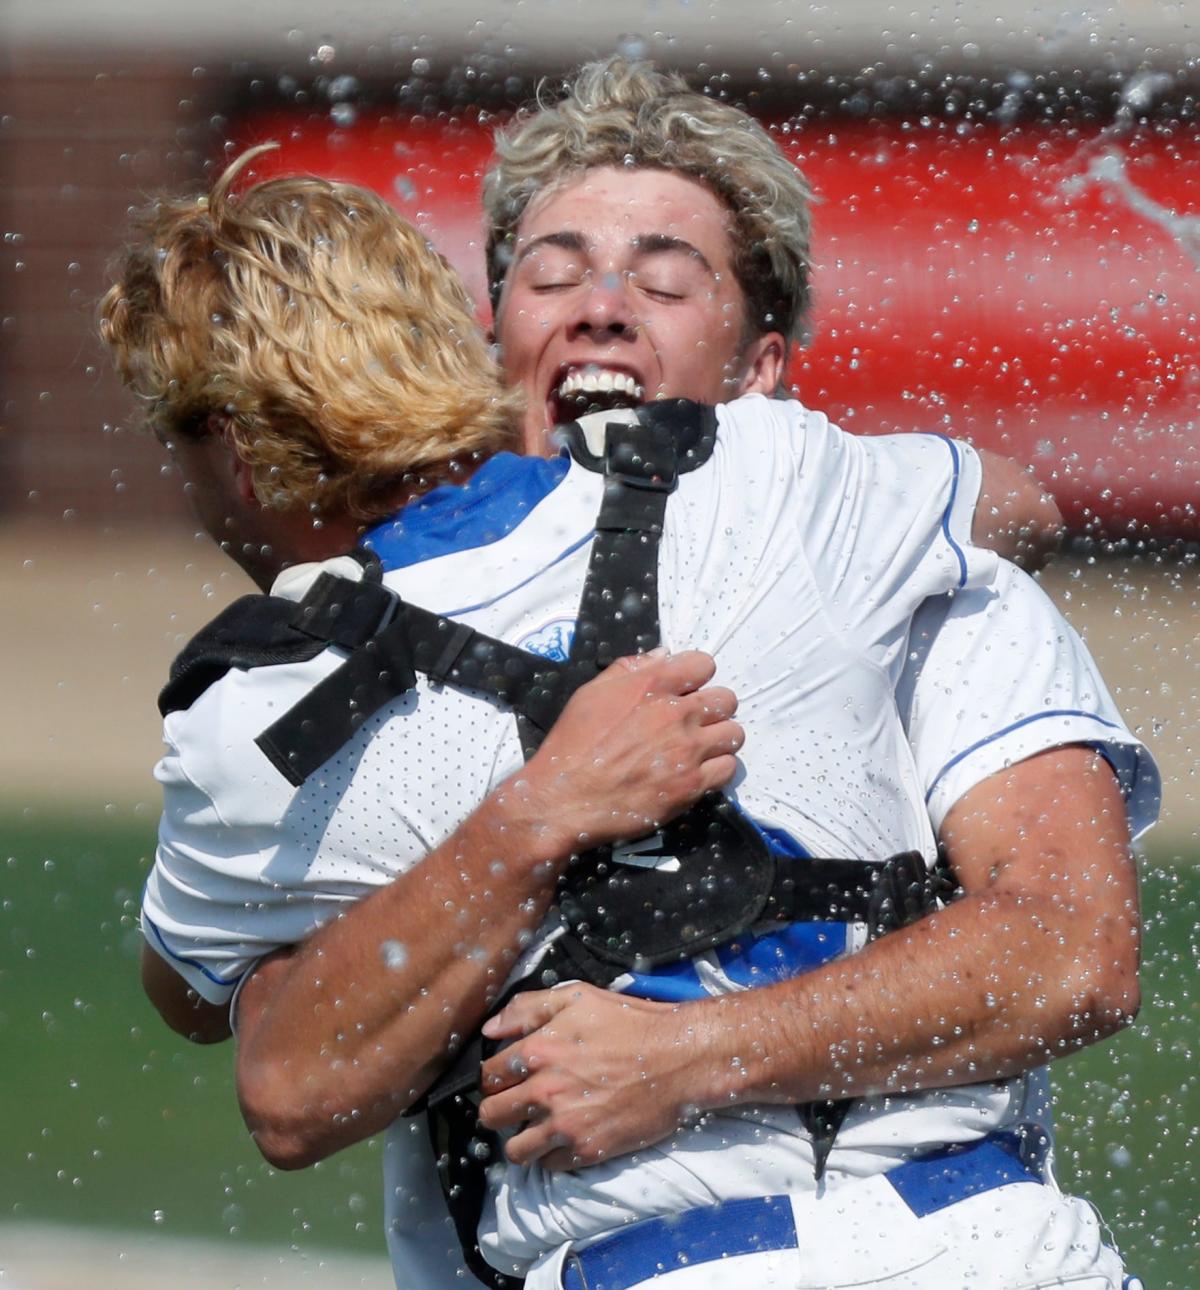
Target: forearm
992,986
351,1028
986,989
1039,957
341,1034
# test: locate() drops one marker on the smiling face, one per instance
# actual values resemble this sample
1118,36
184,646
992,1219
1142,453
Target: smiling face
622,291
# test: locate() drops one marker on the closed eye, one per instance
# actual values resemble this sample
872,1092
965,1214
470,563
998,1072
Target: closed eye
657,293
661,286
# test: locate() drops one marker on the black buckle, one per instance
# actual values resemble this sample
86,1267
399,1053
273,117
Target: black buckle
629,459
904,892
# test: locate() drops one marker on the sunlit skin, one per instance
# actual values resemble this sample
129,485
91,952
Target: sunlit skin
629,272
262,539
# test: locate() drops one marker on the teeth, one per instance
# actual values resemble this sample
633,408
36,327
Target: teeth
598,381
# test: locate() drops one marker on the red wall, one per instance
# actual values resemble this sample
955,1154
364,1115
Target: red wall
970,282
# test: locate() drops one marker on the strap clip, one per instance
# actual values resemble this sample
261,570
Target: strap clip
640,458
649,483
439,671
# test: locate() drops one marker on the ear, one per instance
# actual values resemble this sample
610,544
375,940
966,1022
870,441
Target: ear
243,480
243,476
764,362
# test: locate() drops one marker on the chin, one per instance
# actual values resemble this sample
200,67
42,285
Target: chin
538,441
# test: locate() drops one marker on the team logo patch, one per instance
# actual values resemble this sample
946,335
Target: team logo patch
553,641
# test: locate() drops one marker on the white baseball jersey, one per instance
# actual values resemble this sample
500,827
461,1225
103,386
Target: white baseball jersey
986,1225
994,675
798,557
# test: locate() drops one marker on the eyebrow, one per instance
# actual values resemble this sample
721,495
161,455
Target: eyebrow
643,244
656,243
566,240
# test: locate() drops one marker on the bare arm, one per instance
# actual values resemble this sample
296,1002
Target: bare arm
179,1005
1038,958
341,1034
1015,516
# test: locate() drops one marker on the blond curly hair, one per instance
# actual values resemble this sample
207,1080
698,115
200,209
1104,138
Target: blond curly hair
341,346
621,113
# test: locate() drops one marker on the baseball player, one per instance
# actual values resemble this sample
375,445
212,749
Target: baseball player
642,123
566,225
222,814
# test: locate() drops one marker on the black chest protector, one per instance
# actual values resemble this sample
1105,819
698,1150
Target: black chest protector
620,917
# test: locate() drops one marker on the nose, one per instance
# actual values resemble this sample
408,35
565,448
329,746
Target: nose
605,310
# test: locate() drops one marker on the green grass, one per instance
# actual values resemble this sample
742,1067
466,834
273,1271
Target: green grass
110,1121
1128,1111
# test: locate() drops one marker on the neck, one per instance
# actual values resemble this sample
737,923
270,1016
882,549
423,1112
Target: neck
299,537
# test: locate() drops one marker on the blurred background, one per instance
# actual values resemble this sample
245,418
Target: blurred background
1008,249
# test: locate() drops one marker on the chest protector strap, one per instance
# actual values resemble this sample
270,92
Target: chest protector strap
384,663
619,916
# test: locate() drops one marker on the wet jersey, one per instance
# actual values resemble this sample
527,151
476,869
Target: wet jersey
797,556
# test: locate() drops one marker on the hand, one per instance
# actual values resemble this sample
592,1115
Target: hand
591,1075
633,749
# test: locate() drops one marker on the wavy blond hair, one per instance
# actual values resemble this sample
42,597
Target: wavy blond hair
342,347
620,113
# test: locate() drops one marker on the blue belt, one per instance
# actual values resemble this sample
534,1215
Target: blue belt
658,1245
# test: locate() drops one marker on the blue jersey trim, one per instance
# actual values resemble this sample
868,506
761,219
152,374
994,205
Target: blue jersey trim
670,983
180,958
782,954
457,517
781,842
657,1246
953,1174
749,960
958,551
1016,725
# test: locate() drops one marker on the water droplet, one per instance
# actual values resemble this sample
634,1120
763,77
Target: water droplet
394,955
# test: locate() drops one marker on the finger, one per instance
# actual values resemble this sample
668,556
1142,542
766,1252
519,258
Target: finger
718,771
535,1142
680,674
713,703
505,1070
509,1109
636,662
716,740
526,1013
566,1158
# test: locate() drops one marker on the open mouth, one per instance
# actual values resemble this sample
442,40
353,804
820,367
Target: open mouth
581,390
